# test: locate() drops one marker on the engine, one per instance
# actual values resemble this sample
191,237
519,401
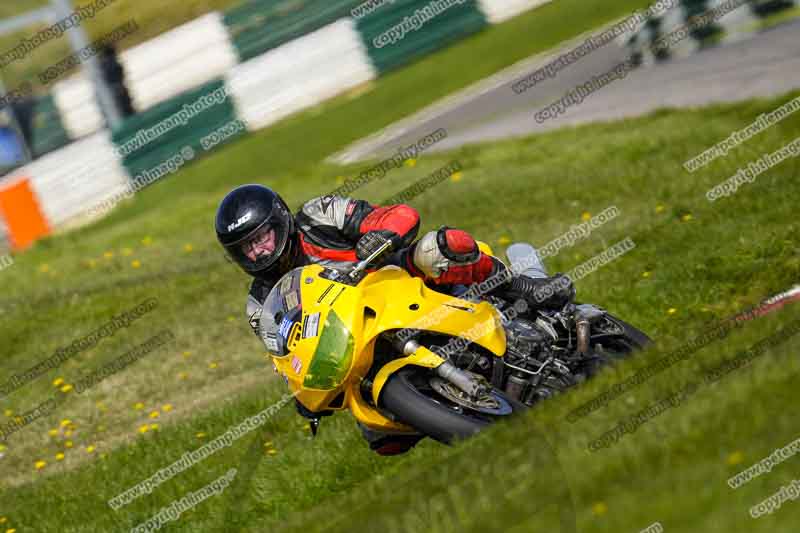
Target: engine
535,371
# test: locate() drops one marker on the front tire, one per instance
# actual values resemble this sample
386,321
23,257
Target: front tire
409,397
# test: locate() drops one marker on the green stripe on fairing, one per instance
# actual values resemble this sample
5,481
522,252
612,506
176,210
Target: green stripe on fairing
333,356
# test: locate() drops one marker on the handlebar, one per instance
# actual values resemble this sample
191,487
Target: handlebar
363,264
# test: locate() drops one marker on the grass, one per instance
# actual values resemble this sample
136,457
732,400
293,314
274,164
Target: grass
706,266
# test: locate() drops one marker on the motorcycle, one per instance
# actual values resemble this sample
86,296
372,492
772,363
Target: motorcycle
406,359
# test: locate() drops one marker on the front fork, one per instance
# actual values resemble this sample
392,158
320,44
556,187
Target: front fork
418,355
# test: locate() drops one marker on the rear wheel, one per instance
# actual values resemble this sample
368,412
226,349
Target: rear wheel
621,338
410,396
612,339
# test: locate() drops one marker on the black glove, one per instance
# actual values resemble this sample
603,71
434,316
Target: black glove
550,293
372,240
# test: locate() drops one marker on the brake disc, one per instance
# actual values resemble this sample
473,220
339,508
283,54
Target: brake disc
490,403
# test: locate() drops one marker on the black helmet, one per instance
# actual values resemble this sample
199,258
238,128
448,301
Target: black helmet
257,230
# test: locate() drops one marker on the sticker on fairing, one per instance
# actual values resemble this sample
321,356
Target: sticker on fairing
272,343
291,300
286,325
311,326
286,284
297,365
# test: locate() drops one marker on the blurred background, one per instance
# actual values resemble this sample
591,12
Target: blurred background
268,55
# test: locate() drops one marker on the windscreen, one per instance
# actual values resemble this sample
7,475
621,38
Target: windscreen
280,311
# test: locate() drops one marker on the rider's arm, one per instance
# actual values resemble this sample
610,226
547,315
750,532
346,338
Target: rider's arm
345,221
450,256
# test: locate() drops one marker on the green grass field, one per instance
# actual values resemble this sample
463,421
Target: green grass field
695,263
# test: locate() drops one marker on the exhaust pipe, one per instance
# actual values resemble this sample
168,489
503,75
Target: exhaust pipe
447,370
584,328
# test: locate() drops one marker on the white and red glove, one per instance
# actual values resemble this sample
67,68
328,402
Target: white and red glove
449,256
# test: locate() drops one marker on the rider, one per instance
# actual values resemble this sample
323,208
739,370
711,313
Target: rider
260,234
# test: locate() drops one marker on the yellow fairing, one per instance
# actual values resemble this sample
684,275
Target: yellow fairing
327,363
485,248
422,357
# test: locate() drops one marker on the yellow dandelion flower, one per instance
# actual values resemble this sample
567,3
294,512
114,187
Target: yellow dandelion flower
167,407
660,208
138,406
2,449
456,177
108,255
200,435
147,241
646,274
58,382
188,248
410,163
735,458
182,375
154,414
599,509
231,319
127,251
672,311
687,217
68,444
503,240
18,419
212,365
59,456
11,530
143,429
268,444
9,413
272,451
136,263
586,215
101,428
90,449
66,388
153,427
40,464
66,422
68,433
44,268
3,519
92,263
187,354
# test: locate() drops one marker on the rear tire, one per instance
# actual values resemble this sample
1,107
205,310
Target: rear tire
431,414
633,339
639,338
618,347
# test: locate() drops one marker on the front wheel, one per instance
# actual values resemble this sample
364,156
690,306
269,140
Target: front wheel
410,396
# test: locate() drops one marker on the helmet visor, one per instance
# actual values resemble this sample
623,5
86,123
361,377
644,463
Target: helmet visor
261,248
